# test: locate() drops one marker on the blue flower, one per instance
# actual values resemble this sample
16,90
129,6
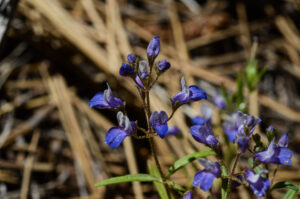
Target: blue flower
188,94
158,121
173,131
105,100
204,178
270,128
153,48
206,113
142,72
246,125
238,127
246,122
258,184
131,58
230,127
204,134
163,66
219,101
284,140
242,141
276,154
188,195
126,70
116,135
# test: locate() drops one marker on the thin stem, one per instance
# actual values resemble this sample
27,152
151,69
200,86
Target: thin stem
151,140
274,174
232,173
147,110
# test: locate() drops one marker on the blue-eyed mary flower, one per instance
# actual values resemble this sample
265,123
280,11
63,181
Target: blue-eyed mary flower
206,115
105,100
188,195
204,178
153,48
276,154
173,131
258,184
188,94
131,58
126,70
219,101
163,66
246,123
142,72
204,134
230,127
158,121
116,135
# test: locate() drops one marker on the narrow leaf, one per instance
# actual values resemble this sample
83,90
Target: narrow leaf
159,187
287,185
291,194
188,159
128,178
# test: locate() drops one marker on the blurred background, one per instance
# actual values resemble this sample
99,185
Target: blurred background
56,54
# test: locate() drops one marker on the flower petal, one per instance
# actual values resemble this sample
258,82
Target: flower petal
161,130
115,137
284,140
204,179
98,101
197,93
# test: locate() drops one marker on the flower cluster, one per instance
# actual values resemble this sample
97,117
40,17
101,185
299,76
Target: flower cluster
238,128
140,71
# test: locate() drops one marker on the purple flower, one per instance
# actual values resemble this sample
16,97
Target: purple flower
284,140
270,128
188,195
230,127
173,131
163,66
116,135
105,100
276,154
204,134
219,101
126,70
206,113
158,121
153,48
131,58
246,125
258,184
204,178
142,72
242,142
246,122
188,94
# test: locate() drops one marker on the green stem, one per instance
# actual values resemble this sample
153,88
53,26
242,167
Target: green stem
146,104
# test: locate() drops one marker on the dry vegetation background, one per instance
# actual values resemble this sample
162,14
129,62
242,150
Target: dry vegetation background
58,53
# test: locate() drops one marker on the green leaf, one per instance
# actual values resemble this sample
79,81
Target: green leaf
224,182
291,194
128,178
287,185
188,159
159,187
